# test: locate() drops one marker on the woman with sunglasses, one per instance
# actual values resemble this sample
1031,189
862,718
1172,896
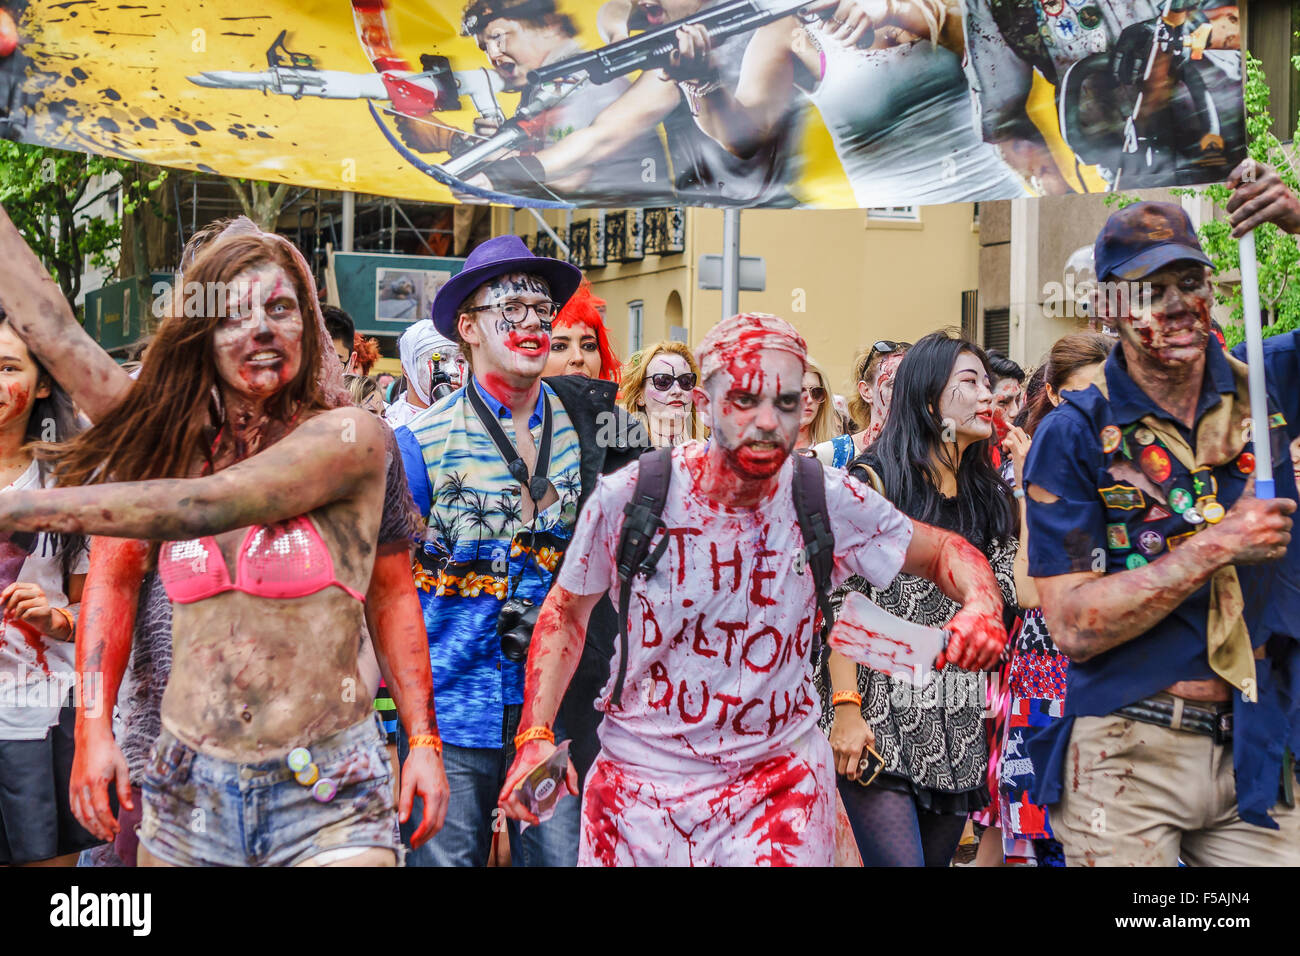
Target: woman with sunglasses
873,374
817,419
657,386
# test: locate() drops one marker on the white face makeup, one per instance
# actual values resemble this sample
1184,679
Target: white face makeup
1008,400
808,407
258,344
501,348
756,425
575,350
967,400
675,402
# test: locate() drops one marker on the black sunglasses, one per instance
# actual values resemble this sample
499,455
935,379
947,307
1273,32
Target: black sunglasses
884,347
663,381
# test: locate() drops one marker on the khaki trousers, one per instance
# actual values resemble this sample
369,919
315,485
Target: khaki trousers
1140,795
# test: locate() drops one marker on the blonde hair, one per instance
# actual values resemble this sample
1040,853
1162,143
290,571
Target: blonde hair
823,426
632,391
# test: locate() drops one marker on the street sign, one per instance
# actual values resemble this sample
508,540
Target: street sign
753,273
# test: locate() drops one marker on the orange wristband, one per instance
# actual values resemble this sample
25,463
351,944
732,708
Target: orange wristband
846,697
534,733
426,740
72,621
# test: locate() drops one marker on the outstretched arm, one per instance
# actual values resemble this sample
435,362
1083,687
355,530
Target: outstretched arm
323,460
402,646
107,622
558,638
39,314
977,635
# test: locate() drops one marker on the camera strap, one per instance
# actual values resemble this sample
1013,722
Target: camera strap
536,485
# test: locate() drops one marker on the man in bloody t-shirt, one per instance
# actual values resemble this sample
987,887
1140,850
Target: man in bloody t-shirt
713,754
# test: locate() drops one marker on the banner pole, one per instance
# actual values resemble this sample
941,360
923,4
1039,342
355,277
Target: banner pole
349,221
730,262
1255,360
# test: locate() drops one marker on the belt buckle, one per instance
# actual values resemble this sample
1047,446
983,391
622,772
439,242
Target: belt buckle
1223,727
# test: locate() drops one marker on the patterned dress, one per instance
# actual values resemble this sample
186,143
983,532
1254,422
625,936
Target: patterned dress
932,740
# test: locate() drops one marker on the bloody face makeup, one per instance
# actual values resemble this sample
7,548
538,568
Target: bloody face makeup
966,403
575,350
502,348
755,412
19,382
258,343
675,402
1167,321
1008,400
882,389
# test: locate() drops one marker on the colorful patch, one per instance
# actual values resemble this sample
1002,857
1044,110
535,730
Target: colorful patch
1111,436
1053,8
1151,542
1192,516
1277,420
1122,497
1156,464
1203,483
1144,435
1156,514
1246,463
1180,499
1090,17
1117,537
1213,511
1135,561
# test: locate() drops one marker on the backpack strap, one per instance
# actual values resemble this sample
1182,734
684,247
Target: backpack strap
643,518
809,490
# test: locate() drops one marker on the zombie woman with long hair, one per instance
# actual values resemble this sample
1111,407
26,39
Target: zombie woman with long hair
268,501
658,391
932,461
41,581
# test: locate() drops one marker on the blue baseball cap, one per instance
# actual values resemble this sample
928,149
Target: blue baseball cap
1143,238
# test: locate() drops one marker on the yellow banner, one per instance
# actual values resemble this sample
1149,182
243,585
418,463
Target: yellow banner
829,103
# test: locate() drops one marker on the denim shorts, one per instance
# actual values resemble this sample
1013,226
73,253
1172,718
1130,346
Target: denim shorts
201,811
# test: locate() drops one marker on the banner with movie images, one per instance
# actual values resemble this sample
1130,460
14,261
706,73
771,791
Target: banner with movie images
612,103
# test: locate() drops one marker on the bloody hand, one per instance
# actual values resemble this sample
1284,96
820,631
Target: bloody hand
976,638
422,774
528,758
1260,196
98,764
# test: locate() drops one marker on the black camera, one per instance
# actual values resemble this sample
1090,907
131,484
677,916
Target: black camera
515,626
440,383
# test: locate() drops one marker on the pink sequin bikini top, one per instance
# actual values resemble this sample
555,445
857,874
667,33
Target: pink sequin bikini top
287,559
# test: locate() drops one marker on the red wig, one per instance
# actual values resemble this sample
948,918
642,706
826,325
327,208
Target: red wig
367,352
583,309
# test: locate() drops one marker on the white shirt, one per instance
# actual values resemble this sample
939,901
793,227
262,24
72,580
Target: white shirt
36,673
719,637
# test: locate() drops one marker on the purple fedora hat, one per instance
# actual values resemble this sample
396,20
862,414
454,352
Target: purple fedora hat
499,256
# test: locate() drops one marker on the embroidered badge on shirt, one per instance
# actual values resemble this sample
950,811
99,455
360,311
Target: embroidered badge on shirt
1117,537
1122,497
1156,464
1111,436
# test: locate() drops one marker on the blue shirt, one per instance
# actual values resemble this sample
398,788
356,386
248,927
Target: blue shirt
1103,519
477,547
1282,372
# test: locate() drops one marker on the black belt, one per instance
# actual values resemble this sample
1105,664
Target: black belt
1212,720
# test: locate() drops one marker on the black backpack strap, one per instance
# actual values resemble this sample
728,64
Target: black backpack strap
643,519
809,492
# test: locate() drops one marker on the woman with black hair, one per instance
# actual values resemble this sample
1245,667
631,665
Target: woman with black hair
41,580
932,461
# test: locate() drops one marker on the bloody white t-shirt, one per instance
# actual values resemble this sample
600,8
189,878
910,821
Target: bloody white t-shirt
36,672
719,637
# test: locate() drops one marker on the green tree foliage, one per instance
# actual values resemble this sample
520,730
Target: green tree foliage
44,192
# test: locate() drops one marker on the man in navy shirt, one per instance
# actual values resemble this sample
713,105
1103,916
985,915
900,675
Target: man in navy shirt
1172,588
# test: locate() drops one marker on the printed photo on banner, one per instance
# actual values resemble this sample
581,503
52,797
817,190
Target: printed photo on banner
773,103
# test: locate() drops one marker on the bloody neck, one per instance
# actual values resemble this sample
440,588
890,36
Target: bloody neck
246,422
1175,388
718,480
518,395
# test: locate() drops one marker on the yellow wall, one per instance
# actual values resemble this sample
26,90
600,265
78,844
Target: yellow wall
857,280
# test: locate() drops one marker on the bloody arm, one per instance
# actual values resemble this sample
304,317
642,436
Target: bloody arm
976,634
402,646
40,315
557,645
107,621
321,461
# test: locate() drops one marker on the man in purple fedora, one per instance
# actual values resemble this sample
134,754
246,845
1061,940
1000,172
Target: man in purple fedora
499,469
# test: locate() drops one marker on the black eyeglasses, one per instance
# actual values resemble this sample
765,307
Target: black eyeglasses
515,312
663,381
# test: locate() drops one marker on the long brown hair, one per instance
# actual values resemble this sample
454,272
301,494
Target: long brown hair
164,424
1068,355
